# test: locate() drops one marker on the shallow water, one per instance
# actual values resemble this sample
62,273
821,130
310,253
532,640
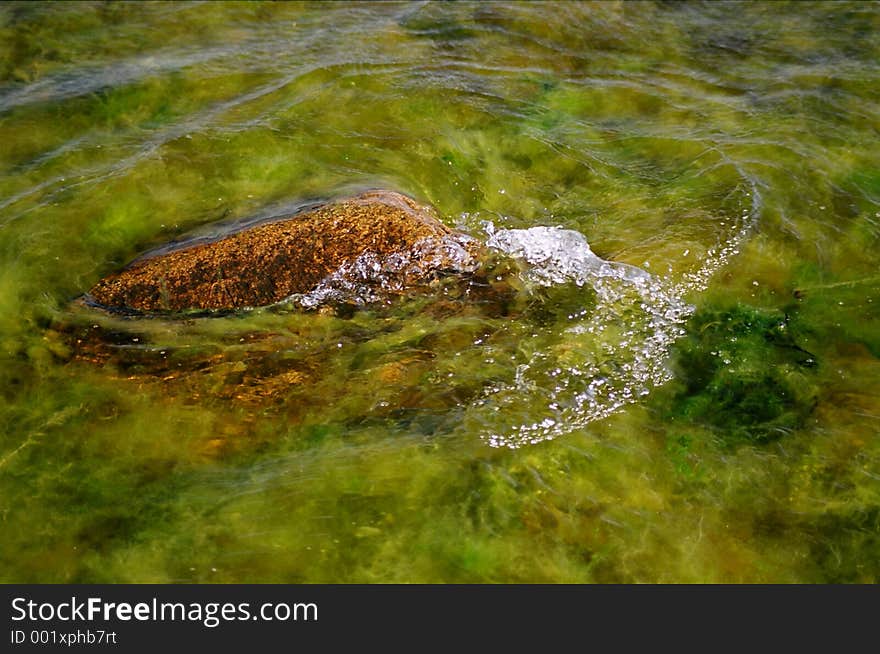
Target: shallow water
686,387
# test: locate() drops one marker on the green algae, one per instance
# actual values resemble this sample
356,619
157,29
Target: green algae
647,127
744,375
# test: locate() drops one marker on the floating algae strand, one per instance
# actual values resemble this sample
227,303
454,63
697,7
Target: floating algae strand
613,352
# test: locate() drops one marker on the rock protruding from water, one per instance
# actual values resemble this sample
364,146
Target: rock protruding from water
380,239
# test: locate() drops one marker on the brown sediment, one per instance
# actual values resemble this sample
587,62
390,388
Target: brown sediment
270,262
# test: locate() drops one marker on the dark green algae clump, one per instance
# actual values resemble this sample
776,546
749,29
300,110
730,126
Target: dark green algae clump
744,375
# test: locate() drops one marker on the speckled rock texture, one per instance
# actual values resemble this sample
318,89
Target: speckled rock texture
270,262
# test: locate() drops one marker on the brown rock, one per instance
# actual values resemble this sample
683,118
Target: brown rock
269,262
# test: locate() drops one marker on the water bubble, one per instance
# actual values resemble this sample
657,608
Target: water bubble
613,354
370,278
618,347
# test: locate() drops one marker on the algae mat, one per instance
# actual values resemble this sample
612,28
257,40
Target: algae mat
685,386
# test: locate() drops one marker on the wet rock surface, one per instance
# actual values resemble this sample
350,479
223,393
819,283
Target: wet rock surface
380,239
361,252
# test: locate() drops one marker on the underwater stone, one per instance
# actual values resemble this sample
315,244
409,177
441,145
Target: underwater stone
382,238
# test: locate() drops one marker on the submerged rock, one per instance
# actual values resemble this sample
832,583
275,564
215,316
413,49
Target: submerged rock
355,250
371,248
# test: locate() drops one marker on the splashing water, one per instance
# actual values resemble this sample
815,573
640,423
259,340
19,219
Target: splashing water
371,278
614,349
612,353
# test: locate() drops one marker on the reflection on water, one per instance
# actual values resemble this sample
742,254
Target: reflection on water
696,401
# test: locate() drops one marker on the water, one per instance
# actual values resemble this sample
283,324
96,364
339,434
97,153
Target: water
614,352
683,386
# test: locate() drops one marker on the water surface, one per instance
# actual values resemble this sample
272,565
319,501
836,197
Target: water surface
686,389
